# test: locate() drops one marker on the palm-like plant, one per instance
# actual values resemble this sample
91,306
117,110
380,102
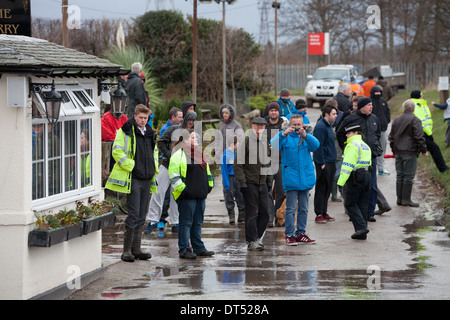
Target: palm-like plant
126,57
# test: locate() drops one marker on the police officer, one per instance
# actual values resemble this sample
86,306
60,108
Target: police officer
355,175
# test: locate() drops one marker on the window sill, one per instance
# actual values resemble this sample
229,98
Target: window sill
46,204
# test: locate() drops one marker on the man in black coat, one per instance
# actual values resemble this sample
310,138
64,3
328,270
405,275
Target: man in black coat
135,89
381,110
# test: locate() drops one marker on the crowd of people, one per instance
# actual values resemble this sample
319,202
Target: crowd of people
275,164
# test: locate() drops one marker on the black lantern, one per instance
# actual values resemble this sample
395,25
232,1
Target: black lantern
52,100
118,100
118,97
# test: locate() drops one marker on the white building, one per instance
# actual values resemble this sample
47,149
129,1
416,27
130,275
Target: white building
47,177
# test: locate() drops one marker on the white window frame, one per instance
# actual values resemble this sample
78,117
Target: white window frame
82,113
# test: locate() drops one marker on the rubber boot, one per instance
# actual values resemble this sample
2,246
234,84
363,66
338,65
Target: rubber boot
334,195
232,216
127,243
241,216
406,195
399,186
136,247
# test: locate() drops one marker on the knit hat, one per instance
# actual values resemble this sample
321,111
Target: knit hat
363,102
285,92
273,105
415,94
300,104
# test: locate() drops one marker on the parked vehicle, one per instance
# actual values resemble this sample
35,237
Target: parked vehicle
396,80
325,82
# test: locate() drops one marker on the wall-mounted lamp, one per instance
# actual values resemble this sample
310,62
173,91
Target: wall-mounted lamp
52,100
118,97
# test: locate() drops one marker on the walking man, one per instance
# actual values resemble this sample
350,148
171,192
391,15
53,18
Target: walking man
251,168
356,177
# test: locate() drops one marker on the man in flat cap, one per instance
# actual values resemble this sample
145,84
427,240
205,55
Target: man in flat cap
252,170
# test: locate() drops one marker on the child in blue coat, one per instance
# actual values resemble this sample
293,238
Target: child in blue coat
231,186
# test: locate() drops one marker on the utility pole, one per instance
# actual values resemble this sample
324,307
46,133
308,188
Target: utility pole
276,5
194,54
65,16
224,55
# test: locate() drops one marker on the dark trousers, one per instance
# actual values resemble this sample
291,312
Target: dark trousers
233,194
256,211
373,189
356,201
435,152
279,195
137,203
324,182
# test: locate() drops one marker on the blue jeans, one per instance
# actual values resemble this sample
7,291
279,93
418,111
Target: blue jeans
190,224
292,198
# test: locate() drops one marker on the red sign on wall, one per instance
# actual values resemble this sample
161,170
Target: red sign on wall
318,43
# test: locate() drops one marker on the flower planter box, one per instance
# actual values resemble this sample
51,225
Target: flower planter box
48,238
99,222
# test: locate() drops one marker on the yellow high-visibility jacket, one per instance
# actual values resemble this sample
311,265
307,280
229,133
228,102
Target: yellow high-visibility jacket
123,151
357,154
422,112
177,173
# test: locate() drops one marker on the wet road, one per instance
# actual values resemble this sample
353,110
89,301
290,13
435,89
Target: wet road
406,256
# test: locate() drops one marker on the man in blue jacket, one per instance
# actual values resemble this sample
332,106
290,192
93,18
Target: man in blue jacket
298,176
325,162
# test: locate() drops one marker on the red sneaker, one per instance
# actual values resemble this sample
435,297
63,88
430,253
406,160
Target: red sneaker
304,239
328,218
290,241
320,219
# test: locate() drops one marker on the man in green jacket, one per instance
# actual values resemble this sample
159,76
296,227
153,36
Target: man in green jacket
134,174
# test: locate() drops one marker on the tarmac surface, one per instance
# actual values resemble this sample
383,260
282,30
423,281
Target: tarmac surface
406,256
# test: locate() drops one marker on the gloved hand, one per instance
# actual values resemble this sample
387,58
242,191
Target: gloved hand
340,189
243,188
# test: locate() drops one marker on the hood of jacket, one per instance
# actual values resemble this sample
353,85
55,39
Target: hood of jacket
231,108
190,115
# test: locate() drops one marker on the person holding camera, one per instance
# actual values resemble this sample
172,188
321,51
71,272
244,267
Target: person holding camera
298,176
356,177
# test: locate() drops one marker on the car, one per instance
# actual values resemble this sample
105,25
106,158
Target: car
325,82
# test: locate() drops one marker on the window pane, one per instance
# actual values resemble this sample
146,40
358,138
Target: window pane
85,147
54,159
38,181
83,99
70,162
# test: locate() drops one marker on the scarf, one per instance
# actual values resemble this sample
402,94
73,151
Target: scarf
196,154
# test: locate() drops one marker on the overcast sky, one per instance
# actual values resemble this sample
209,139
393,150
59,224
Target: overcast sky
243,14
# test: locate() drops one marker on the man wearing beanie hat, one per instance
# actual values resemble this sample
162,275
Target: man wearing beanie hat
371,135
422,112
274,125
285,103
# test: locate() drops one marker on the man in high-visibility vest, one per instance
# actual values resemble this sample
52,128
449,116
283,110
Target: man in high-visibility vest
422,112
134,174
355,175
356,87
